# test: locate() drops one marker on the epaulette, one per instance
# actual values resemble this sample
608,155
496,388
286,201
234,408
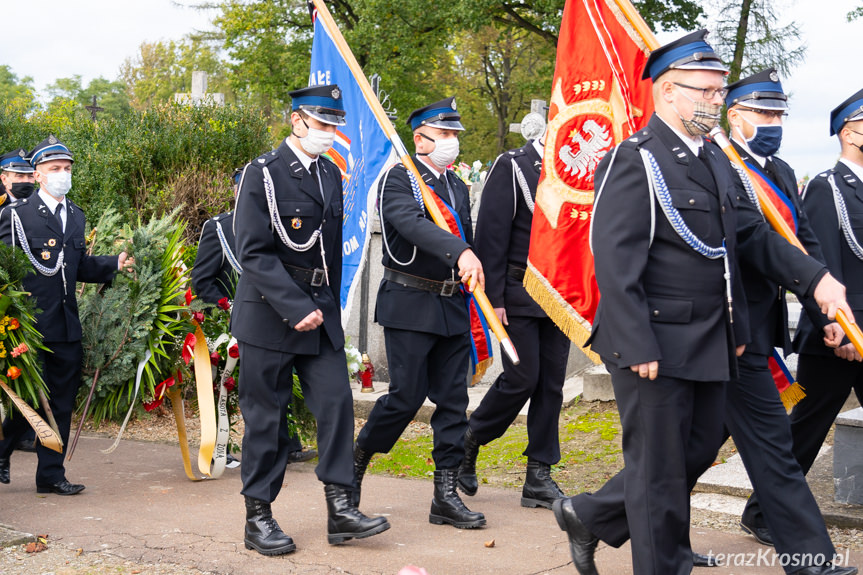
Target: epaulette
518,151
264,159
638,137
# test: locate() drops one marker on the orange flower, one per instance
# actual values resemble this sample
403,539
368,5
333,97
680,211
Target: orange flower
13,323
13,372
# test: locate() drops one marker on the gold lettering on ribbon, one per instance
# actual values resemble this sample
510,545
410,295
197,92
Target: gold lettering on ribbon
46,435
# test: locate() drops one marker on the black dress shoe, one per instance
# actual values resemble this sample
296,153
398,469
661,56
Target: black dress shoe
700,560
761,534
301,455
582,543
4,470
61,488
827,569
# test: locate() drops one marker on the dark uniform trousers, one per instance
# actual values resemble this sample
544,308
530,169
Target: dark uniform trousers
542,349
422,365
58,319
267,441
502,241
276,291
426,333
672,426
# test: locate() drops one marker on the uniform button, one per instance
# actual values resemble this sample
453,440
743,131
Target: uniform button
616,354
285,320
723,209
324,221
691,202
797,282
263,298
448,255
656,313
316,294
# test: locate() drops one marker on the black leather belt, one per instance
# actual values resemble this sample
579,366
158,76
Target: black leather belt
314,277
446,288
515,272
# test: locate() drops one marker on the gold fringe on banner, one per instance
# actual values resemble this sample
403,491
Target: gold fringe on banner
792,396
561,313
481,368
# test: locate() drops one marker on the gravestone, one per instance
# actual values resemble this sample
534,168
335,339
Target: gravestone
199,95
848,457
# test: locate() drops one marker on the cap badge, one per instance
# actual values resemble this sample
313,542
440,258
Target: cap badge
52,140
453,104
296,223
774,77
22,153
336,93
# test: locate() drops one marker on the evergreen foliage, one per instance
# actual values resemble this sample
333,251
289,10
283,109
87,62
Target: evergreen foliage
138,312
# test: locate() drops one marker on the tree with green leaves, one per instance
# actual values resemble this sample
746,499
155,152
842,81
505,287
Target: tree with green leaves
109,95
15,90
749,36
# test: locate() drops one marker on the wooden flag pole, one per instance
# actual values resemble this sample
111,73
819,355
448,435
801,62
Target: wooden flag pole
405,158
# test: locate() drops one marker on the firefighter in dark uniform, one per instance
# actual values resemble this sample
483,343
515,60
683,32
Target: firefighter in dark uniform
826,373
16,178
672,316
214,277
502,238
423,312
754,414
286,316
50,228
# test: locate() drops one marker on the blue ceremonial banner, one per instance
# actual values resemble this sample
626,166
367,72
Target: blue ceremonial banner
362,151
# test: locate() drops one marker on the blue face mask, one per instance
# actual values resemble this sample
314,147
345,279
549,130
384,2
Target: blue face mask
766,140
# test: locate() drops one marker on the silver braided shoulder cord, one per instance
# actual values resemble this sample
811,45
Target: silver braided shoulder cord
275,218
674,218
226,249
381,215
844,221
22,238
750,189
522,183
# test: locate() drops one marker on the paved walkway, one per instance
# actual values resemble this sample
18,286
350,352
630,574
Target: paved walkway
139,505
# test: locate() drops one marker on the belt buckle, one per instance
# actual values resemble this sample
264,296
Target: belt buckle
449,287
317,277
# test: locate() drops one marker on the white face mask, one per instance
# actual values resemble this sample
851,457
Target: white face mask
445,152
57,184
316,142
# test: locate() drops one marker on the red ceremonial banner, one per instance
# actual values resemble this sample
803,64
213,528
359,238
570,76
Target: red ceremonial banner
598,99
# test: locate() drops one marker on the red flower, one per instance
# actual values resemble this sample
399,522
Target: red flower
230,384
234,351
189,296
13,372
224,304
13,323
189,347
215,358
159,393
20,349
198,316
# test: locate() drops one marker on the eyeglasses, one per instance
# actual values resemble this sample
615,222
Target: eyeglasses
706,93
781,114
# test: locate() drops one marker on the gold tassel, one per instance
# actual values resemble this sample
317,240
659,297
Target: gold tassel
792,396
481,368
561,313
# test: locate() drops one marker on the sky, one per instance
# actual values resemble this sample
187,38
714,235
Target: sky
93,38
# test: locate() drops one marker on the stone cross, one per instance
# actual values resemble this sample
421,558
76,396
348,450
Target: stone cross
94,108
199,94
533,124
